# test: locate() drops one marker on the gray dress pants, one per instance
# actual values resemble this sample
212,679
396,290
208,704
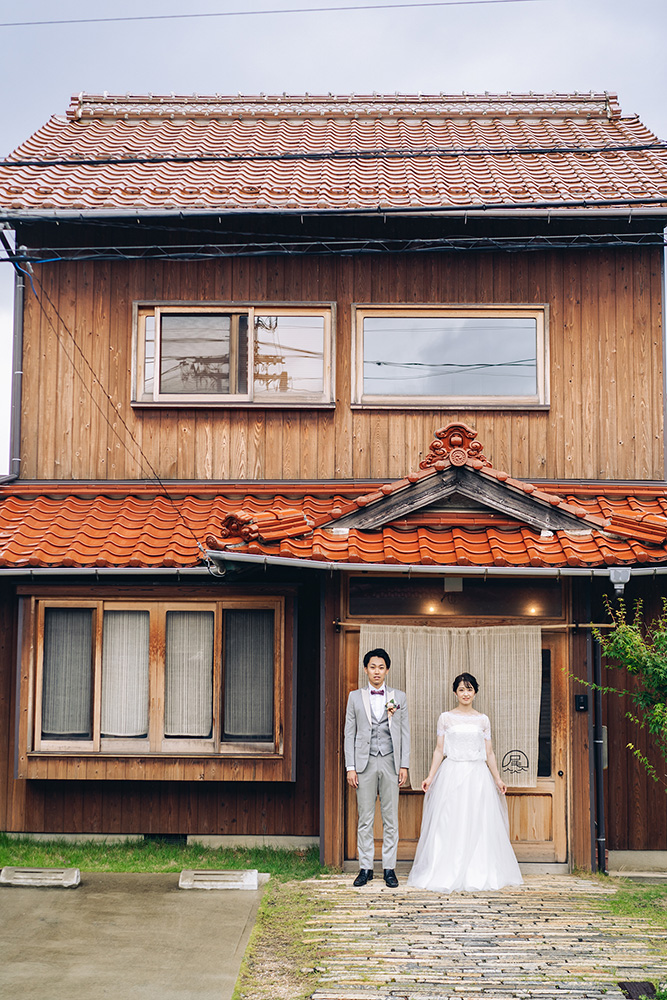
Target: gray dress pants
378,778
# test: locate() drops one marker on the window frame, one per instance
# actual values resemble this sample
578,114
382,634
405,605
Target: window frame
538,311
157,746
253,398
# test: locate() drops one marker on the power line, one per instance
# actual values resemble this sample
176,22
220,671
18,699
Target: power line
96,381
390,153
273,237
257,13
338,247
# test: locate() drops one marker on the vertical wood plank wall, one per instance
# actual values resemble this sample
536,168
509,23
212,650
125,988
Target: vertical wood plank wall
186,807
636,806
605,419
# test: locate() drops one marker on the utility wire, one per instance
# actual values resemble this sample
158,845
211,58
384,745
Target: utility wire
273,237
258,13
339,247
96,381
390,153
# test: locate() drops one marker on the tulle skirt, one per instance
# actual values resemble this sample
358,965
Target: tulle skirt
464,843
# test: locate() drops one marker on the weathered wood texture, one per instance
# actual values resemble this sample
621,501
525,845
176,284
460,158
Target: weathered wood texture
605,419
81,804
635,804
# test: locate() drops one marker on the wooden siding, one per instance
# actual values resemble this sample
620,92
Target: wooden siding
605,419
78,803
635,805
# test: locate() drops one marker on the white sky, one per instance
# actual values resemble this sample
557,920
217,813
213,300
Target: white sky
543,46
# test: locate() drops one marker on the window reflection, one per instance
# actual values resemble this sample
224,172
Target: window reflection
450,356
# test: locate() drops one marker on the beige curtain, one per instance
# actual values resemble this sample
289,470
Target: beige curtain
507,662
188,687
125,660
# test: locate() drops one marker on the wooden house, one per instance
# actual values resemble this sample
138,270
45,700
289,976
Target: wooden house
294,372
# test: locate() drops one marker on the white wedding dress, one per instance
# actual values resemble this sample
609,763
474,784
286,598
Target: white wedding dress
464,842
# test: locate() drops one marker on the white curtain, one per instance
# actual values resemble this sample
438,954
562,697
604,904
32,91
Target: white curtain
67,673
507,662
249,668
188,696
125,650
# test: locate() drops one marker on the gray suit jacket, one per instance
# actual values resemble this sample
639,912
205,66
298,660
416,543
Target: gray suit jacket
358,729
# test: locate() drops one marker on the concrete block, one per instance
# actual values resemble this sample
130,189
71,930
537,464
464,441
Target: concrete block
60,878
203,879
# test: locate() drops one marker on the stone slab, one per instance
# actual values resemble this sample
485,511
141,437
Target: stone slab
57,878
208,879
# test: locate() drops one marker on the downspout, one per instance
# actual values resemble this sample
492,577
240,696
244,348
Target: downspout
17,376
664,356
601,836
322,679
592,777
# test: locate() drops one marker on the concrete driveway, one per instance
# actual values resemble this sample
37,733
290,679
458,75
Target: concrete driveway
130,937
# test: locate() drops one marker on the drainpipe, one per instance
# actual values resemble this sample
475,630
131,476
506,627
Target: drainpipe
17,376
17,364
663,286
601,834
592,777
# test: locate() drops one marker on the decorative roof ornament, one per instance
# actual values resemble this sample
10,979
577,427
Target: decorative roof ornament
455,444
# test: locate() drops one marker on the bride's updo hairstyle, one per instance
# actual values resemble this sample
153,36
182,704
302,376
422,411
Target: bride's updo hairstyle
468,680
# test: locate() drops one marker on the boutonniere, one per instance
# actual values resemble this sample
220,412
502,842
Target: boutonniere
392,705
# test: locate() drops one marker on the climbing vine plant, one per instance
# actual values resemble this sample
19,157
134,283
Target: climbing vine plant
641,647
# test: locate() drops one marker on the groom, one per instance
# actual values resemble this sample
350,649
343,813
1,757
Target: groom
377,757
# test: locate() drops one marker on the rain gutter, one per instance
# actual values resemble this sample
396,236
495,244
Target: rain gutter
545,209
86,572
619,575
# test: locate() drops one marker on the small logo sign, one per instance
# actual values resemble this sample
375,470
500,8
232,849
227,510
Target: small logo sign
515,761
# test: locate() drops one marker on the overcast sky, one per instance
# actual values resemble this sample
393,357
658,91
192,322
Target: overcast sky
524,45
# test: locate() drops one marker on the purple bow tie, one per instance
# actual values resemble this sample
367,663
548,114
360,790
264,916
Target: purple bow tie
375,691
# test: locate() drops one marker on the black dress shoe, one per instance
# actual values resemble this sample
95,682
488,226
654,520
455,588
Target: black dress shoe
364,876
390,878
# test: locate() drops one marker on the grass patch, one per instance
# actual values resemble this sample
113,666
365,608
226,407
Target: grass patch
156,856
278,964
637,899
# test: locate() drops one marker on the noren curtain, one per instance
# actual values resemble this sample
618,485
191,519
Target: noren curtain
507,662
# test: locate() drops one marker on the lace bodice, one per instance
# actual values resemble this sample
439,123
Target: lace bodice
465,735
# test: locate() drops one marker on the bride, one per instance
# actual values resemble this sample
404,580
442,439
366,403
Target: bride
464,842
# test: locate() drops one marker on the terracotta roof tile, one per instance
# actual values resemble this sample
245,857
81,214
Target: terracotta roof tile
337,152
120,525
131,531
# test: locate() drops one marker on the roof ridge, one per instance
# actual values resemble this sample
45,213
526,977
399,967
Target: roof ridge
592,104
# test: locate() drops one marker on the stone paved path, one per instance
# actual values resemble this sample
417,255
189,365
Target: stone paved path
541,941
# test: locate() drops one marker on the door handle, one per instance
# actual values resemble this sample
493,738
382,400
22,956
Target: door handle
560,774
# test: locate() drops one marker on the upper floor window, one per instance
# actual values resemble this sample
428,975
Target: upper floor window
205,354
459,356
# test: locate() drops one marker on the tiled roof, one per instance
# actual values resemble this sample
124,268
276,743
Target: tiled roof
108,525
344,152
153,531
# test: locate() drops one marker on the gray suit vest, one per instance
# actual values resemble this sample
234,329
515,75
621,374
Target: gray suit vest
380,736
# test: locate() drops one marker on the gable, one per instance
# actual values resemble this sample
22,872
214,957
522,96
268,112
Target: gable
456,470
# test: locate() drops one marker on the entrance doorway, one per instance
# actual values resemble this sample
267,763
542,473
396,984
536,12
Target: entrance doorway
538,818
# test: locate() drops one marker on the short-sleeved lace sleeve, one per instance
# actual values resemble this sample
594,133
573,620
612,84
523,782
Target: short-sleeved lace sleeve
486,727
441,724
